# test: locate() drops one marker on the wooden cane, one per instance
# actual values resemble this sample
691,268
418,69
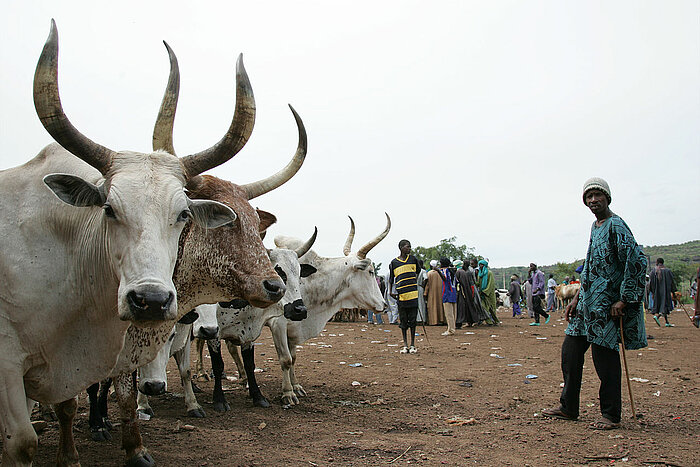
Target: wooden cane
687,314
627,371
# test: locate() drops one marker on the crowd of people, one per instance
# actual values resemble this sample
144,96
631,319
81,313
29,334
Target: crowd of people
607,305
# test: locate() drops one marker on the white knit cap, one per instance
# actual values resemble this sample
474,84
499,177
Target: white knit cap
433,263
596,183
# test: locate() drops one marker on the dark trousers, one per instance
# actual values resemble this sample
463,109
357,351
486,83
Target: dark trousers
607,365
537,307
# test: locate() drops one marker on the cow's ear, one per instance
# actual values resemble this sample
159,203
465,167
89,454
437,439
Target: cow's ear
211,214
307,270
189,318
75,191
266,219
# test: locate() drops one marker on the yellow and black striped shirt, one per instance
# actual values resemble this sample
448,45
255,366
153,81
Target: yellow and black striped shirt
404,274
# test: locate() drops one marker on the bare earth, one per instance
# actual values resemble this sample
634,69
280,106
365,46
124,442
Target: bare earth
453,403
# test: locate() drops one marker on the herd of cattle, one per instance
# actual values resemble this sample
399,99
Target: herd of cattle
105,254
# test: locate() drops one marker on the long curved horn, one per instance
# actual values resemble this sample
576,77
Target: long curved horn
237,134
261,187
362,253
351,237
302,250
163,131
47,103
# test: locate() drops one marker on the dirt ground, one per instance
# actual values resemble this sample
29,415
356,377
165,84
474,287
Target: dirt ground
460,400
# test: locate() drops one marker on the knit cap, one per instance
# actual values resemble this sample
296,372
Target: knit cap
596,183
433,263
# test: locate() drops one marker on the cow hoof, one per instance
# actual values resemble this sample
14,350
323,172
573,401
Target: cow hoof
142,459
203,378
100,434
147,411
299,391
289,399
261,402
196,413
196,389
222,406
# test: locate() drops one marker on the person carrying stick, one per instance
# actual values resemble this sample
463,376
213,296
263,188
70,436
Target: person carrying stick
612,286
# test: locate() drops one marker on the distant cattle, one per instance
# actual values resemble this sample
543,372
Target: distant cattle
565,293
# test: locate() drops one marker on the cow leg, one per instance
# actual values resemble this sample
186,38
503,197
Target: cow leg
298,389
142,405
67,454
217,364
105,384
182,357
235,352
248,353
279,336
98,430
201,375
136,454
19,440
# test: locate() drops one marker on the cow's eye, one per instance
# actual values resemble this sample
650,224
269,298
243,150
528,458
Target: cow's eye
184,215
109,212
281,273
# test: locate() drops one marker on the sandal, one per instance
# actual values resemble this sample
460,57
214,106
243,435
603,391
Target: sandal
603,424
557,413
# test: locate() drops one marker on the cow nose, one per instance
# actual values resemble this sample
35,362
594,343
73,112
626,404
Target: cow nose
208,332
275,288
150,304
153,388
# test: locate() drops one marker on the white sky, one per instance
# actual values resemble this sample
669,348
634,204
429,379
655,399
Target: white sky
475,119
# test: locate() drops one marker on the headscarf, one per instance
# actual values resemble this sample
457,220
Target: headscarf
483,273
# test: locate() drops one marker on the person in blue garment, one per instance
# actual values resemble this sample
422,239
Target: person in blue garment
612,286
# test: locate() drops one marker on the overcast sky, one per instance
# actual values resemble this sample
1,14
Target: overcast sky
475,119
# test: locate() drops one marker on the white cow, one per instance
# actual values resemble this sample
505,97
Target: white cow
240,324
153,377
84,258
212,266
345,282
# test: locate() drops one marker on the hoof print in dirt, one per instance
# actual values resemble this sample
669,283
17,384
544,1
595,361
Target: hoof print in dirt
142,459
100,435
196,413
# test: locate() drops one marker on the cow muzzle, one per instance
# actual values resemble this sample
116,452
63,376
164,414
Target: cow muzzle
150,303
206,332
295,311
152,388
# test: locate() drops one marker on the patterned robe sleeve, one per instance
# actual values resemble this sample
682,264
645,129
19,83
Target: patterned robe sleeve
633,261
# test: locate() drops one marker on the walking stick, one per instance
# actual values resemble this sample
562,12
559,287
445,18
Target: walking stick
627,371
688,314
425,333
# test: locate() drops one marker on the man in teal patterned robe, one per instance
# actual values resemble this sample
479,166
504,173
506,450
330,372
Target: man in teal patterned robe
612,285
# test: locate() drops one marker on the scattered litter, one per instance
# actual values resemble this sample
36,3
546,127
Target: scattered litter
495,355
468,332
179,426
496,348
494,335
515,364
466,343
466,384
355,365
387,330
527,381
354,432
356,383
456,420
392,345
232,378
561,385
541,338
342,363
639,380
144,416
590,404
657,393
341,335
262,426
375,342
676,418
531,376
258,370
326,346
332,335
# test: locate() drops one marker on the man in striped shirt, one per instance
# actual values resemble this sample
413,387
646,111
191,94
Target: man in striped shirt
403,271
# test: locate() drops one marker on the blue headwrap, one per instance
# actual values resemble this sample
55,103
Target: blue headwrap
483,273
